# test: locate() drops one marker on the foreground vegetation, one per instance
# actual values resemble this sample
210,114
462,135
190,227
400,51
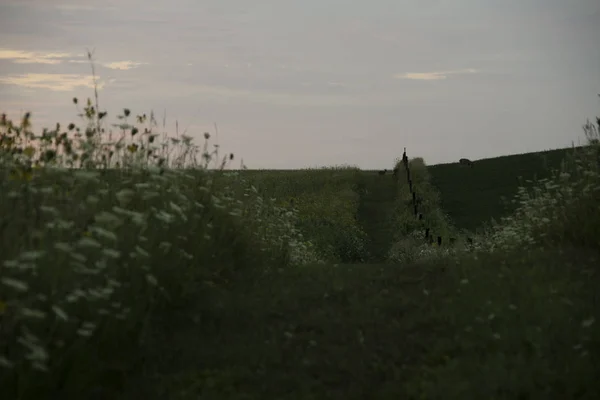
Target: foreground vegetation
140,267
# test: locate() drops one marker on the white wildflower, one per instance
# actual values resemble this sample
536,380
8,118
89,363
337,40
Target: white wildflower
15,284
88,242
60,313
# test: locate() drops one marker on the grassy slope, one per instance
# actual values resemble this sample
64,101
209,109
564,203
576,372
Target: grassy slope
472,196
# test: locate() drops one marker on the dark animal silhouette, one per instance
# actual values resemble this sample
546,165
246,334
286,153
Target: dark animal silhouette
382,172
467,162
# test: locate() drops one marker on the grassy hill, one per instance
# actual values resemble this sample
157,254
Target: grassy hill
472,196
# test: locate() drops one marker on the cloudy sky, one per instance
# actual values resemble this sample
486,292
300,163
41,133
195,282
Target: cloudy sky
317,82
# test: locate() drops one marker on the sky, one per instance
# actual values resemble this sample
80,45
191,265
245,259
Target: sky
308,83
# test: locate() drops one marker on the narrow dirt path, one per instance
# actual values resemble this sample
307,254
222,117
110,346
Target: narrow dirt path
378,194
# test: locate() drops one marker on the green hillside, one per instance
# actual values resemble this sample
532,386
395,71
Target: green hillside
472,196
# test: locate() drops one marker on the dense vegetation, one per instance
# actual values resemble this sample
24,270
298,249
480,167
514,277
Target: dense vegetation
143,268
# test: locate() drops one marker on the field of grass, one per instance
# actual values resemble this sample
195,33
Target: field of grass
136,270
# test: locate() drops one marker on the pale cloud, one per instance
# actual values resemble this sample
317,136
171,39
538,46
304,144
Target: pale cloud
123,65
54,82
433,76
28,57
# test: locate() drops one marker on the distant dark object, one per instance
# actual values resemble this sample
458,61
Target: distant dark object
439,240
382,172
469,240
465,161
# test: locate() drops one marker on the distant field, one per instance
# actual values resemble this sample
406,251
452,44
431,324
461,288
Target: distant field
472,196
330,197
345,210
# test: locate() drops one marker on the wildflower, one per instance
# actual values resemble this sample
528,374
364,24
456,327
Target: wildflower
20,175
31,255
111,253
15,284
31,313
588,322
88,242
5,363
29,151
124,196
60,313
103,233
152,279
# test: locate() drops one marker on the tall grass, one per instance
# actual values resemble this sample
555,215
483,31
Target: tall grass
102,230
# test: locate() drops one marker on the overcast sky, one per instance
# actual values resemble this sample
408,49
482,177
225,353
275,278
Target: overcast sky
317,82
